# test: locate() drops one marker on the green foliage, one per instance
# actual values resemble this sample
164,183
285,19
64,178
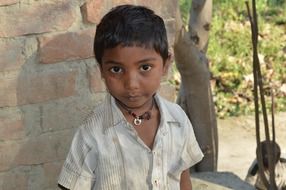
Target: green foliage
185,6
230,54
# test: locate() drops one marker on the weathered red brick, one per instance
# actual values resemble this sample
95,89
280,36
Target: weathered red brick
16,179
67,46
68,114
8,2
95,82
11,125
8,152
51,174
93,10
45,148
8,90
35,88
166,9
39,17
121,2
11,55
155,5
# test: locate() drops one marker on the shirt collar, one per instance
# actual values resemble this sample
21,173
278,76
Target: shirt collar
166,117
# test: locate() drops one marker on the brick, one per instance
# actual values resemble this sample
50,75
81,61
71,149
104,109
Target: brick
166,9
155,5
39,17
93,10
17,178
67,46
8,2
121,2
8,90
66,114
42,149
51,174
95,81
36,178
32,117
11,55
49,147
8,152
11,125
34,88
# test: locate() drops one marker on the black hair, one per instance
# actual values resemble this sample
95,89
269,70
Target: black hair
265,154
131,25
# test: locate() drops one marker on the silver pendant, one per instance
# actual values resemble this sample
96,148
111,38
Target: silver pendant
137,121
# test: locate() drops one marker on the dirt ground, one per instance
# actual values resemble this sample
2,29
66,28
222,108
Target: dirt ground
237,142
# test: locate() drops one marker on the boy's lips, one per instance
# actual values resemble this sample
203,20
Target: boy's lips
133,98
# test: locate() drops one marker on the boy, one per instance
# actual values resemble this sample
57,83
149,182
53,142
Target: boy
135,139
253,176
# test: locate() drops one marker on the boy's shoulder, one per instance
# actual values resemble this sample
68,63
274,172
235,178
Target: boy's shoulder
98,116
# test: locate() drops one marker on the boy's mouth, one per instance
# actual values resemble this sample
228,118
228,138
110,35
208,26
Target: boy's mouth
133,98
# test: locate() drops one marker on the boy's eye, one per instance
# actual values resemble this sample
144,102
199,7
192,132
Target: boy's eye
145,68
116,70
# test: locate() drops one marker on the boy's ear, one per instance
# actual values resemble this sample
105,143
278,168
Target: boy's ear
167,64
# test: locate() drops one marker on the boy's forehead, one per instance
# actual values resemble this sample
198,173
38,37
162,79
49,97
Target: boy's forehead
130,53
130,47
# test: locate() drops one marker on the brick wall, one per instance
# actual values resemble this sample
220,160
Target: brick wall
49,82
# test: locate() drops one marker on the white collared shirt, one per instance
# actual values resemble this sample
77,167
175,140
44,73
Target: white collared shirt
107,154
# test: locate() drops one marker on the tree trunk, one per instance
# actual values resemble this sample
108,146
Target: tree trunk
195,95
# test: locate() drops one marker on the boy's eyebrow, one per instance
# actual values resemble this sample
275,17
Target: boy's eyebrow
147,60
111,62
120,63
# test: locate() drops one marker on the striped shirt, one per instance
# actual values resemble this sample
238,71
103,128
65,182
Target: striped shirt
107,154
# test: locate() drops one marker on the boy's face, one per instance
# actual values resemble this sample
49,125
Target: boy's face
132,74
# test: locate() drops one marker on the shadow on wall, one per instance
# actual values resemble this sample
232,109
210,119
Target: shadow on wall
45,104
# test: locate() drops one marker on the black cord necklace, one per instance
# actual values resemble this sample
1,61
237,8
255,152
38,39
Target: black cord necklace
137,119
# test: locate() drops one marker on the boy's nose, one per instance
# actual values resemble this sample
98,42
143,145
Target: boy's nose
131,81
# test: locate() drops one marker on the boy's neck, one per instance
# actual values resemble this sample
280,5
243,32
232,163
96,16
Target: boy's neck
139,114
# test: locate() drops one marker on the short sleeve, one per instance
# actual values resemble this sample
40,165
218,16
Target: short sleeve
77,170
192,153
